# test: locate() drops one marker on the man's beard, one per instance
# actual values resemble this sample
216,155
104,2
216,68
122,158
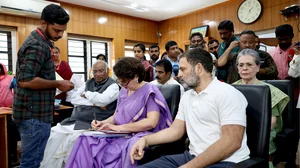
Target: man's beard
192,81
154,58
48,35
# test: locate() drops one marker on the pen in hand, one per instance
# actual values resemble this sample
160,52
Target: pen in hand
95,118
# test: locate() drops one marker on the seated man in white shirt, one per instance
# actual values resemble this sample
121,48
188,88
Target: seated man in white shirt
210,115
163,70
97,99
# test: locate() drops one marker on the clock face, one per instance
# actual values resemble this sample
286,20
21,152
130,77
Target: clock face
249,11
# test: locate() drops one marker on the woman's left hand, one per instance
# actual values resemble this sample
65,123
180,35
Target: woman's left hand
109,126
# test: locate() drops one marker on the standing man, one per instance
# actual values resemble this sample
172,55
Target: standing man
213,47
196,40
36,85
163,75
154,55
209,114
226,31
283,53
267,69
172,56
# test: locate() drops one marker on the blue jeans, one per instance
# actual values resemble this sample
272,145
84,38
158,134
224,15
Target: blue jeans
34,137
174,161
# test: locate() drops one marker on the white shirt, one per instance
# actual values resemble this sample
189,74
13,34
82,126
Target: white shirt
95,98
294,70
170,81
205,113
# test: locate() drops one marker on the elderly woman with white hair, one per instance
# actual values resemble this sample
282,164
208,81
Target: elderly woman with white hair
248,62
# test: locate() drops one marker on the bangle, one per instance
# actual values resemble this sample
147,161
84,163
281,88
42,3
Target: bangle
146,142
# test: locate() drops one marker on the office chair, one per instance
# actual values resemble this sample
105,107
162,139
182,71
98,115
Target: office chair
258,124
172,95
286,141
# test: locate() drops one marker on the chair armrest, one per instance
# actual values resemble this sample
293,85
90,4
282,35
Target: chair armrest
254,161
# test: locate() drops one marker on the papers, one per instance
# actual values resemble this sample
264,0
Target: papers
77,80
103,134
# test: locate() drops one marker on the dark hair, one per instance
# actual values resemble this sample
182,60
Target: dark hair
196,34
250,32
198,55
181,50
163,55
101,55
212,41
142,46
154,46
2,69
55,14
166,64
170,44
284,30
128,67
226,24
56,48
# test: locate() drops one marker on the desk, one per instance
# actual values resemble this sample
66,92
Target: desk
3,137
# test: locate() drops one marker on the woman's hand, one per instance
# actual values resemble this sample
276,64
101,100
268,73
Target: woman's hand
108,126
96,124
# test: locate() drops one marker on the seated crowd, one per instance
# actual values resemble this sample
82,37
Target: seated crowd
131,103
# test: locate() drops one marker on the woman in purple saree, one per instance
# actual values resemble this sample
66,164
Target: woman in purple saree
141,110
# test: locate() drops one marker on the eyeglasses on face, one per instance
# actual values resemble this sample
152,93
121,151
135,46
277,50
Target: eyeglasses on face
123,83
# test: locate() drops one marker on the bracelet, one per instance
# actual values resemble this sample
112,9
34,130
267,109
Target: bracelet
146,142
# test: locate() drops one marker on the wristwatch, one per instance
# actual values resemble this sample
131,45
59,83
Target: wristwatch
83,94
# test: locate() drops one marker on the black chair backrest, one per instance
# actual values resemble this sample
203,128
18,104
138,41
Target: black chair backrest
286,86
172,95
258,118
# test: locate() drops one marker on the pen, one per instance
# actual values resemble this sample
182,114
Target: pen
95,118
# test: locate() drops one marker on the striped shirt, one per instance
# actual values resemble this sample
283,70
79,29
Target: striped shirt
34,60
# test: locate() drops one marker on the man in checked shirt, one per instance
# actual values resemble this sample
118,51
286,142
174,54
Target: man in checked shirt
33,105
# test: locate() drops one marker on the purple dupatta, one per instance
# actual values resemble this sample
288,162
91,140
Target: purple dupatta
114,152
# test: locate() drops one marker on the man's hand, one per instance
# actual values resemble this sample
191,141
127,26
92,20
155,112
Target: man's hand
137,150
234,44
65,85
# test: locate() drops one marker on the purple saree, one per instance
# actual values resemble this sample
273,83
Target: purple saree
95,152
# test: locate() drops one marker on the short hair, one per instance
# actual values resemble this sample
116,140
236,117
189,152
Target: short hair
250,32
55,14
284,30
154,46
55,47
198,55
102,62
212,41
226,24
166,64
196,34
170,44
128,67
249,52
101,55
142,46
2,69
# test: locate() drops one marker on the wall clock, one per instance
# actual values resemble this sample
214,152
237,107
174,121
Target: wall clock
249,11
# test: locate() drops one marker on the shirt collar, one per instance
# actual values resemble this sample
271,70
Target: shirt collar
209,88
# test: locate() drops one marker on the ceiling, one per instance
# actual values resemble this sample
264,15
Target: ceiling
156,10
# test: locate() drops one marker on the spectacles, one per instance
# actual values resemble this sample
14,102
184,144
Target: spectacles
122,83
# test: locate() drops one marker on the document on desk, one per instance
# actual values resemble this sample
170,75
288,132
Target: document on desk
106,133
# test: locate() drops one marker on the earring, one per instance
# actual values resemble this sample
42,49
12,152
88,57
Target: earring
137,81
